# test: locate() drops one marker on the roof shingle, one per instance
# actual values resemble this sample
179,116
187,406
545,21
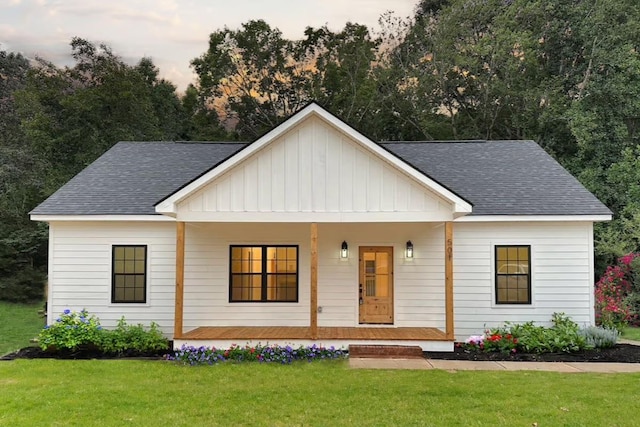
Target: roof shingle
132,176
497,177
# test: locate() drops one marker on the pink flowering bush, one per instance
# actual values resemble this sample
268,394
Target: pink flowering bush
616,293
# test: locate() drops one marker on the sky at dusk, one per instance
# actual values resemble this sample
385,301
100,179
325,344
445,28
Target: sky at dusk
171,32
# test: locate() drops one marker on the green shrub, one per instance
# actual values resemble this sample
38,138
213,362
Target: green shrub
599,337
617,300
563,337
133,338
71,331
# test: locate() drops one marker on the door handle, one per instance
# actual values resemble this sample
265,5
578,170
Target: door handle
361,300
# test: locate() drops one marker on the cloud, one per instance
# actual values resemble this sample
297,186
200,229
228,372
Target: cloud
171,32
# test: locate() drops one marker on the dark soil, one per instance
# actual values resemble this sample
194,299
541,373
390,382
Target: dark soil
82,353
624,353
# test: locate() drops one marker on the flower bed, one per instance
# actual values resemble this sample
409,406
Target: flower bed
565,336
191,355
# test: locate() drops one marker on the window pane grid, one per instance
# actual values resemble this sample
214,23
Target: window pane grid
129,274
513,275
263,274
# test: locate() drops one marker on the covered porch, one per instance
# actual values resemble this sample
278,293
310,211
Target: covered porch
427,337
314,172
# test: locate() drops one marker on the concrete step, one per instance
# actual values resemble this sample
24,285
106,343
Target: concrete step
386,351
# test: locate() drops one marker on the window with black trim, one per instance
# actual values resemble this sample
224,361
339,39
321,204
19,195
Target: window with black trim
129,278
261,273
513,274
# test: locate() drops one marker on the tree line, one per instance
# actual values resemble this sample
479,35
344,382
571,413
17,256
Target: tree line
564,73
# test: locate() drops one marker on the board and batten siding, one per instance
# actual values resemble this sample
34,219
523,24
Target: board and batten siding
80,268
561,272
314,168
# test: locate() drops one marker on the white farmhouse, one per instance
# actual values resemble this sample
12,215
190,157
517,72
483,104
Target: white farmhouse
315,233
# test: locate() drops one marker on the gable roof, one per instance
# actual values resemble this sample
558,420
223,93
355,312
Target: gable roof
495,177
460,205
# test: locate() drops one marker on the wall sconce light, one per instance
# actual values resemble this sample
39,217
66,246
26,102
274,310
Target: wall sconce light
409,249
344,250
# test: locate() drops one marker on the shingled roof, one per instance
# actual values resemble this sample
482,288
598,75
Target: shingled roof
131,177
496,177
501,177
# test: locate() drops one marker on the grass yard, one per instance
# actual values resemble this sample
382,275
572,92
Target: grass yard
631,333
18,324
139,393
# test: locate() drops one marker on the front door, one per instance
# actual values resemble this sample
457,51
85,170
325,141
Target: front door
376,284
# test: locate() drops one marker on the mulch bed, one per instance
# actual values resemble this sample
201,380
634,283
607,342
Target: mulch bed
622,353
82,353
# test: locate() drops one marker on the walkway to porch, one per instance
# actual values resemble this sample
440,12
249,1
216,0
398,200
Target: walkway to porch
324,333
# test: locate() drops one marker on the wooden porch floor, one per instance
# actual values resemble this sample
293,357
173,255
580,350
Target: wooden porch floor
324,333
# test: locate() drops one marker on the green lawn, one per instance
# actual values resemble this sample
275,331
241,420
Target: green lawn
631,333
18,324
139,393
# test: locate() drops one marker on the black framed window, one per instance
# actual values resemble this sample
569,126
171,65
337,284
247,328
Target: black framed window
513,274
261,273
129,278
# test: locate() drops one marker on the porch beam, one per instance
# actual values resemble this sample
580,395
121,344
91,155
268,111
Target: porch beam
313,305
448,278
179,299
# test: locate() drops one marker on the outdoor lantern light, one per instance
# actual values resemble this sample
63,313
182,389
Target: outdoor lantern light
344,250
409,249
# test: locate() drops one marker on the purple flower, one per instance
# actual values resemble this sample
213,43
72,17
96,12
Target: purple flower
67,311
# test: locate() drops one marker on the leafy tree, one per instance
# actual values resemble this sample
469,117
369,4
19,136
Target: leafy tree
201,123
253,78
21,254
73,115
250,78
54,122
342,76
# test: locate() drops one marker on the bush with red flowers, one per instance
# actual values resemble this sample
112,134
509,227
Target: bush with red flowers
617,293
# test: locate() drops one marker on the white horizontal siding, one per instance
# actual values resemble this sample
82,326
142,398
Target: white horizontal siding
314,168
561,273
80,270
80,273
206,290
419,293
418,283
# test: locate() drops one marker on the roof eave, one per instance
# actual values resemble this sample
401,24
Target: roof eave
100,217
536,218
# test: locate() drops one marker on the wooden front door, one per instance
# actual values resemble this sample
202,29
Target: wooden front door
376,284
